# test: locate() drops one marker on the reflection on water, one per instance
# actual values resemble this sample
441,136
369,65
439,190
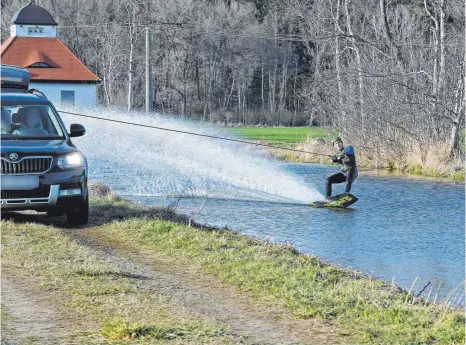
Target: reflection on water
399,228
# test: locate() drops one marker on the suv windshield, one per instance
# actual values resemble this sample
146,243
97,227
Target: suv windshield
30,122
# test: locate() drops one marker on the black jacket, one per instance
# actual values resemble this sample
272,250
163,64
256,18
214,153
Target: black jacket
347,160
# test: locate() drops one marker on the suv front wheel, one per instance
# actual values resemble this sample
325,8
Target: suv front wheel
80,216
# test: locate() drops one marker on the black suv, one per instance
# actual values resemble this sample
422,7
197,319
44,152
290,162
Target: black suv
41,169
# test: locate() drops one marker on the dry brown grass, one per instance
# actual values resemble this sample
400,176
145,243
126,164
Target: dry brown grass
437,162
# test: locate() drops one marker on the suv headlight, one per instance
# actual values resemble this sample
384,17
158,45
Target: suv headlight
71,161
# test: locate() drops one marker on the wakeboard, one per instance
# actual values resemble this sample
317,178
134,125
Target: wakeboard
341,201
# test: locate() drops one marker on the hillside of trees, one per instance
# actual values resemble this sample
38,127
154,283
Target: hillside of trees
389,75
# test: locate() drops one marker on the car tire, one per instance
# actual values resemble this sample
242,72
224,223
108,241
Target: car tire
79,217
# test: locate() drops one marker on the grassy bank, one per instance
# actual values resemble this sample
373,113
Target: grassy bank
362,310
436,167
437,164
443,172
280,135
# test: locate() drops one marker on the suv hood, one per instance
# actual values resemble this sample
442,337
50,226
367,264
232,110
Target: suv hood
37,147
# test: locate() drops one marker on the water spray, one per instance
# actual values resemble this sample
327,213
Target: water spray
134,161
197,134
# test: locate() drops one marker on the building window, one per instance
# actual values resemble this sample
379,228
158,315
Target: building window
35,31
67,98
40,65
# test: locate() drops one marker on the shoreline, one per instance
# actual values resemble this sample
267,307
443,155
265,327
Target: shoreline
346,305
437,164
413,170
182,219
188,220
389,173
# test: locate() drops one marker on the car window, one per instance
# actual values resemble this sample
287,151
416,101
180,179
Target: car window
29,121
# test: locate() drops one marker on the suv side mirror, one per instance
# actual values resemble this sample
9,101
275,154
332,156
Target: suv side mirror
77,130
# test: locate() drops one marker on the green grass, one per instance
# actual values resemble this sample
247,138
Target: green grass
280,135
121,329
419,170
365,311
8,323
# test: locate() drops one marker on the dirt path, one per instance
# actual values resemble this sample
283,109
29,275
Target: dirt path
31,316
206,296
38,317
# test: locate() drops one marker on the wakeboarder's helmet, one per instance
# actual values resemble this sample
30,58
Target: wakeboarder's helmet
337,139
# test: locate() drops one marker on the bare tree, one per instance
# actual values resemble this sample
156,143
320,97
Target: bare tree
386,74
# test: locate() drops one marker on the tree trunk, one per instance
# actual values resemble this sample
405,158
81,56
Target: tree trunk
459,120
435,34
387,33
337,61
262,86
131,29
295,94
442,47
130,73
198,83
358,61
437,15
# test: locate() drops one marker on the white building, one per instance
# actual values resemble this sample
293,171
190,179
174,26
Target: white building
54,69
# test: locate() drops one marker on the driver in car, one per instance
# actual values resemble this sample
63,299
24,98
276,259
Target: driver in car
34,126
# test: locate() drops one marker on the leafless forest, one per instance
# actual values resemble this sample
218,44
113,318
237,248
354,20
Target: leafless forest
387,74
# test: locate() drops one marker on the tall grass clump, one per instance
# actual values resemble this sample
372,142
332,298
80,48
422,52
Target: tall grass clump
118,329
432,162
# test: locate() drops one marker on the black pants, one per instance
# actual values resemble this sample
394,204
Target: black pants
338,178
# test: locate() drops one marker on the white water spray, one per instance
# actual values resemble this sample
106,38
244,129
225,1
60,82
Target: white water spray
150,162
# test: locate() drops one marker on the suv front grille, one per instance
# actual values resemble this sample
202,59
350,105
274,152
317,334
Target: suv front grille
41,192
28,165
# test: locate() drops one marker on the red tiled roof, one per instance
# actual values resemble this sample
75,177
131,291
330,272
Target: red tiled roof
24,51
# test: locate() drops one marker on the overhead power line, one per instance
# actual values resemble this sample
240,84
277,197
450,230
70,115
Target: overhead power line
193,133
119,25
241,34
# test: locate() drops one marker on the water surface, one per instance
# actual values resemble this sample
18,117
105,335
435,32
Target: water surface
399,229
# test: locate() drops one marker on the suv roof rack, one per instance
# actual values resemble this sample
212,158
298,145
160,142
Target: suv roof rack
37,93
14,77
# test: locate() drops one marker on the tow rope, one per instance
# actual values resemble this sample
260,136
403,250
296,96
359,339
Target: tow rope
196,134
